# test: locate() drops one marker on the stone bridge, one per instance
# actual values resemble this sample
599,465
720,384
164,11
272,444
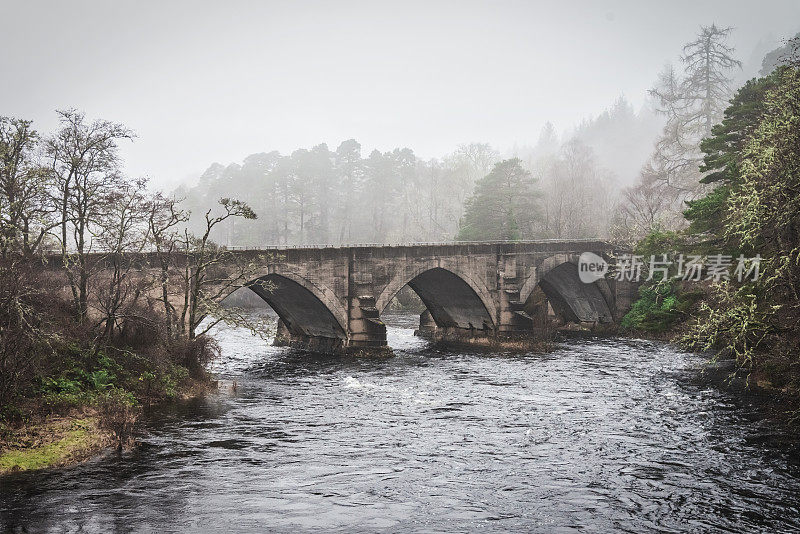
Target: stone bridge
331,298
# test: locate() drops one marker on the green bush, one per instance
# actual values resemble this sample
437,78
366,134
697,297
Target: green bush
60,385
659,242
81,371
83,377
101,379
734,321
660,306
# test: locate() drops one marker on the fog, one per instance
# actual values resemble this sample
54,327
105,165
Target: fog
204,82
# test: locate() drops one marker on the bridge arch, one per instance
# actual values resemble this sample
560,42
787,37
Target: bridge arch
306,308
575,301
453,298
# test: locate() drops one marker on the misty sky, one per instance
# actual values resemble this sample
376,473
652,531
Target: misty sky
215,81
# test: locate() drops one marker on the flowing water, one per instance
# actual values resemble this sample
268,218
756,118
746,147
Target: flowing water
598,436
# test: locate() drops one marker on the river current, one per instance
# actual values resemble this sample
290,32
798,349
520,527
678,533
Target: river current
601,435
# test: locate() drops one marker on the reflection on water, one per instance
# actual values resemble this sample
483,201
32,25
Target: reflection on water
601,434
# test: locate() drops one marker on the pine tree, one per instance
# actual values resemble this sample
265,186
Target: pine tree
723,152
504,205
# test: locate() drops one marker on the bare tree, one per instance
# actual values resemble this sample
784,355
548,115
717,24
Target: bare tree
692,104
123,233
211,272
23,183
577,193
708,61
481,157
163,220
474,161
85,168
644,207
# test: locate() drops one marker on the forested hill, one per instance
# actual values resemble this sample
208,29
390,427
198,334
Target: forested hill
326,195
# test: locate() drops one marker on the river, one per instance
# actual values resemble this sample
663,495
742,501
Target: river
600,435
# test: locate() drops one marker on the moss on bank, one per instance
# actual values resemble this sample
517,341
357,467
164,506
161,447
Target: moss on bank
56,441
83,426
85,401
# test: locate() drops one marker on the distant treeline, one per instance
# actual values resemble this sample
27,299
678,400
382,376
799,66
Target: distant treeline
338,196
568,188
621,174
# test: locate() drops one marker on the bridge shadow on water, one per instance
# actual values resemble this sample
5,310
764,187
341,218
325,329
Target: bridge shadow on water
408,351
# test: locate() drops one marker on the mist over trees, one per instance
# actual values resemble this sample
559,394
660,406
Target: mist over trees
692,100
341,196
785,55
619,174
323,196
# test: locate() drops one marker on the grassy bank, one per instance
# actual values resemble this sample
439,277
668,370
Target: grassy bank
55,441
70,384
76,399
64,429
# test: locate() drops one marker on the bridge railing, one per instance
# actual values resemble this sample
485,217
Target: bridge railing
56,252
414,244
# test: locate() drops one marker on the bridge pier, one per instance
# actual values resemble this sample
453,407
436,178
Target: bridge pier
366,331
512,339
322,344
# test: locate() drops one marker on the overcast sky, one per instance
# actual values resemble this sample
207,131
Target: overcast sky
215,81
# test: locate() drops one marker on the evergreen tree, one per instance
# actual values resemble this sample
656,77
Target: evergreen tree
758,320
504,205
723,153
764,208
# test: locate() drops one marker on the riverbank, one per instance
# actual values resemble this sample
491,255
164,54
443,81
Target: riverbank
56,441
722,371
51,440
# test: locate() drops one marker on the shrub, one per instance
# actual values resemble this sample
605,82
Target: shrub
660,242
733,321
194,354
660,307
118,411
138,329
